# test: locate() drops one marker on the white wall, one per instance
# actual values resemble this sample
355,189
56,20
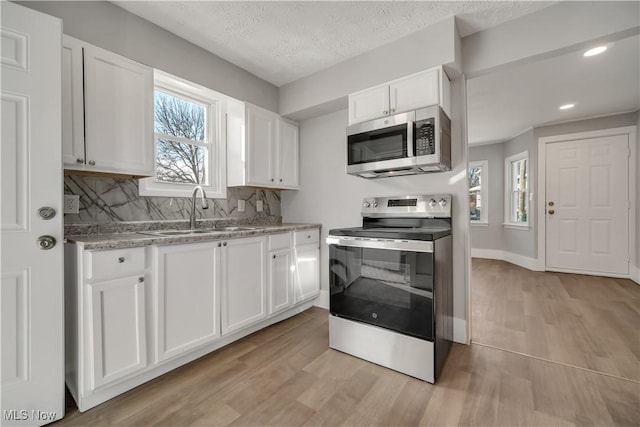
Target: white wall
329,196
489,237
105,25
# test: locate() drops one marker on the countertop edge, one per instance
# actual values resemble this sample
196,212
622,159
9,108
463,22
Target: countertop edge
135,239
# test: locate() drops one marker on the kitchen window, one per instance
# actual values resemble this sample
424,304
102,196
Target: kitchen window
517,190
189,139
477,174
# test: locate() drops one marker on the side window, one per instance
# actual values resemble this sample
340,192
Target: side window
478,192
189,139
517,189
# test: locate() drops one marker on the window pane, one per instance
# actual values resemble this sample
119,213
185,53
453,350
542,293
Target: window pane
180,163
179,117
475,190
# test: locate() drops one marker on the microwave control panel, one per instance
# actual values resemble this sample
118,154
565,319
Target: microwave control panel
424,137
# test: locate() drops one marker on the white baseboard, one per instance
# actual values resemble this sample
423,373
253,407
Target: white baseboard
634,272
519,260
322,300
460,330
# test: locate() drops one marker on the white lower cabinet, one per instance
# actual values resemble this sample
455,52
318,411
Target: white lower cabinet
280,272
244,287
186,297
136,313
307,262
116,314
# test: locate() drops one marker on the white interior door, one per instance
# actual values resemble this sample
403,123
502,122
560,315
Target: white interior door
31,292
587,211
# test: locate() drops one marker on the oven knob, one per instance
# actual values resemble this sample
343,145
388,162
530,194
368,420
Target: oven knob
366,204
443,202
375,204
432,202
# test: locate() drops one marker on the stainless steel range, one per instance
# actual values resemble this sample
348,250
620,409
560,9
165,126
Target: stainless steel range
391,299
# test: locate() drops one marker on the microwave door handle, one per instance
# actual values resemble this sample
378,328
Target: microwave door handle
410,127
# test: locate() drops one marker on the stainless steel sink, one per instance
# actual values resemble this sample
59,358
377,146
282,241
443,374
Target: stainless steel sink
235,228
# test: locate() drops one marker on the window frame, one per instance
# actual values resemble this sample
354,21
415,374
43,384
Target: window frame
508,190
215,135
484,190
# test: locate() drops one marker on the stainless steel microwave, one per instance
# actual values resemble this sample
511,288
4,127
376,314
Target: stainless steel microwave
404,144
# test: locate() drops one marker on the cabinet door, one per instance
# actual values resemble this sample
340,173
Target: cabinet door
280,280
307,282
186,296
117,328
369,104
244,290
118,113
287,159
260,146
72,104
415,91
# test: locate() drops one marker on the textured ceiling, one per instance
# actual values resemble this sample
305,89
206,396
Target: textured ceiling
284,41
503,104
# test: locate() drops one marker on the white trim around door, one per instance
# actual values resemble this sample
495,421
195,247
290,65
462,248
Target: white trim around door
542,155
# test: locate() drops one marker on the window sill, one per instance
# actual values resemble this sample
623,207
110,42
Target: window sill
479,224
516,226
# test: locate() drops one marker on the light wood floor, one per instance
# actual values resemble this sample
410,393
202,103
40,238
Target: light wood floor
286,375
585,321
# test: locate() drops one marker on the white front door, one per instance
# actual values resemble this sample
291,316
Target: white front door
31,290
587,205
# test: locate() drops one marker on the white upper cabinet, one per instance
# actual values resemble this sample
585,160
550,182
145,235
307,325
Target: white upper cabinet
262,148
108,111
369,104
415,91
286,168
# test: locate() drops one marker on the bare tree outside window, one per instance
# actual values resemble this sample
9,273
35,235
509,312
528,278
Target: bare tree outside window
181,147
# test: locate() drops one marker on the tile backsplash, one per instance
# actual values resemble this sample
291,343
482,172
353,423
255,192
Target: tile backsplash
105,199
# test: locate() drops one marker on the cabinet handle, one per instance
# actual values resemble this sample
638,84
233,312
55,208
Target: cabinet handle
121,259
79,160
140,279
280,179
274,257
308,236
92,162
385,112
271,179
219,244
224,244
393,110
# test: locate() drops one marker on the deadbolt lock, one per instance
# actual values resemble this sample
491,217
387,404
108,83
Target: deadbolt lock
551,203
47,212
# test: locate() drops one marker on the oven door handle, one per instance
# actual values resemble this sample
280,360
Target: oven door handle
392,245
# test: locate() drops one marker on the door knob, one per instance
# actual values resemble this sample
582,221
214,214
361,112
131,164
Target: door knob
551,212
46,242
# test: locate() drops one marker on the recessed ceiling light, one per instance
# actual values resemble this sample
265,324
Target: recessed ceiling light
595,51
567,106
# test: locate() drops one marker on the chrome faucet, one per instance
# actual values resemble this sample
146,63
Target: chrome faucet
205,205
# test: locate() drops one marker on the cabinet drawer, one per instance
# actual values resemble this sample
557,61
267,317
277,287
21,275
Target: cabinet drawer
304,237
279,241
101,265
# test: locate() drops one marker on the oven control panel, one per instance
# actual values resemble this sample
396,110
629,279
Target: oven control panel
422,206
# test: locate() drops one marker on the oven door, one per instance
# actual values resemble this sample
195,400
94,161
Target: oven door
388,284
382,144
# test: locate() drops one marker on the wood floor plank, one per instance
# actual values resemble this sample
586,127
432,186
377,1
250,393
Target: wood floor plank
286,375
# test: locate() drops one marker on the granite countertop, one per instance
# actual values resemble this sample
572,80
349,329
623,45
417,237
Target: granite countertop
136,234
